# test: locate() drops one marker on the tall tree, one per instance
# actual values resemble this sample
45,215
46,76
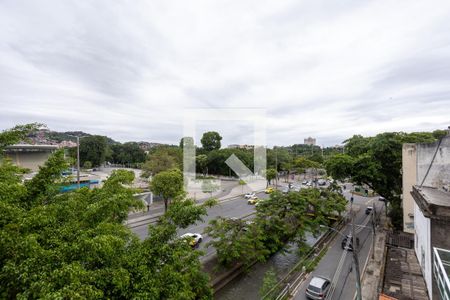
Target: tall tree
74,245
93,148
168,184
376,162
270,175
211,141
162,159
202,163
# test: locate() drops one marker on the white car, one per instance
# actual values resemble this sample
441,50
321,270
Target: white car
194,239
249,195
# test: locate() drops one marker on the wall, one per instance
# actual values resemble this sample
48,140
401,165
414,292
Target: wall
409,171
422,246
29,160
439,174
440,239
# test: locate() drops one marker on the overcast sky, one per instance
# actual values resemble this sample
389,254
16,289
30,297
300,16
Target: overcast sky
129,69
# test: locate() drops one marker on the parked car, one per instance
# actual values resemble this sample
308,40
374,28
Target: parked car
304,182
369,210
348,245
285,190
194,239
269,190
321,182
318,288
249,195
296,188
252,200
382,199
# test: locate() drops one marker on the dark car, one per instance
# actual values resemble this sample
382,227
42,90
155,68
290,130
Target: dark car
347,244
369,210
318,288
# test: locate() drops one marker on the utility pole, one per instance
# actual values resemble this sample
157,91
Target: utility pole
276,168
355,254
373,229
78,162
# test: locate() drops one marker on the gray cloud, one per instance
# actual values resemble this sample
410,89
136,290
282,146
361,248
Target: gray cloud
129,69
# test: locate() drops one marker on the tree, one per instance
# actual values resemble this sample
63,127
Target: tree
16,134
74,245
87,165
270,175
168,184
162,159
280,220
376,162
211,141
127,153
340,166
93,148
236,241
202,163
269,281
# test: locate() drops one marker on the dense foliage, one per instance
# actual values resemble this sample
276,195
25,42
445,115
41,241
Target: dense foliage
281,219
377,162
75,246
168,184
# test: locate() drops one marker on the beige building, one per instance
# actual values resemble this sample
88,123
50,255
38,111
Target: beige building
29,156
309,141
409,171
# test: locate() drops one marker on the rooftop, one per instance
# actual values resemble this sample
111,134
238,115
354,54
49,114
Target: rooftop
433,202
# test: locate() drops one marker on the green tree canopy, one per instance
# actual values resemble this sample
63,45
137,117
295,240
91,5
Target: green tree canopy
75,246
94,149
162,159
127,153
168,184
376,162
211,141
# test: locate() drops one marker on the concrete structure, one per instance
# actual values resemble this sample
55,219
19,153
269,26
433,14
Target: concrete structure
431,195
29,156
309,141
409,171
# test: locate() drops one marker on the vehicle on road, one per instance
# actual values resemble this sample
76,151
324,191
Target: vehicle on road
249,195
269,190
321,182
285,190
252,200
318,288
194,239
382,199
348,245
296,188
369,210
304,182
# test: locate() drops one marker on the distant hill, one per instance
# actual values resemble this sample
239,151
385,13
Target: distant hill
45,136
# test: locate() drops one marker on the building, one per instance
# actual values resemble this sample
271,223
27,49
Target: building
429,165
309,141
29,156
244,146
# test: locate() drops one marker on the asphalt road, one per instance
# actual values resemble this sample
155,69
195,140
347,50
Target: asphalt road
345,285
236,207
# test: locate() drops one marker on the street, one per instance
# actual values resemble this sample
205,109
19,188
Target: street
330,267
235,207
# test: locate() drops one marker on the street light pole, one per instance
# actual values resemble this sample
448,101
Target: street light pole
78,162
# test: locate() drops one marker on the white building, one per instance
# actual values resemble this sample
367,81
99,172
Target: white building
429,164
